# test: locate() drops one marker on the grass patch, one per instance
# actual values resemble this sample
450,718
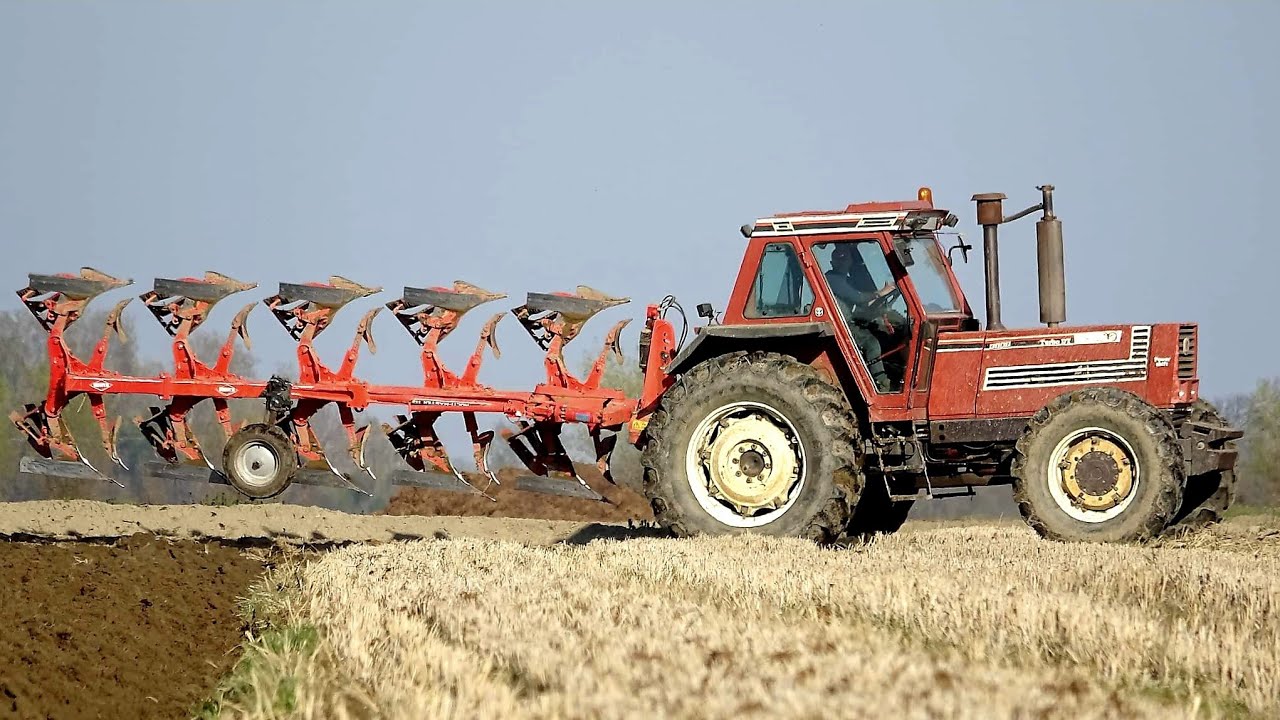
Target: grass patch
264,681
1245,510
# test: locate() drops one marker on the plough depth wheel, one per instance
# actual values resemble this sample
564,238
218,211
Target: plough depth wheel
259,460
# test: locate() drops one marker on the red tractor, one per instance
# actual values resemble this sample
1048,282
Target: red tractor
848,375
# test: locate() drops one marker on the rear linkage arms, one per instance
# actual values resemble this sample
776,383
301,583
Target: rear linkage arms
305,311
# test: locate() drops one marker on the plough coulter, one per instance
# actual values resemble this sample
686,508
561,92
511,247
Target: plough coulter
261,458
845,377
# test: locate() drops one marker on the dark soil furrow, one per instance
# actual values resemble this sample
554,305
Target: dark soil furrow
142,628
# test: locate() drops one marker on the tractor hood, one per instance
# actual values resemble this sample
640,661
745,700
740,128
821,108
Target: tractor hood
1019,371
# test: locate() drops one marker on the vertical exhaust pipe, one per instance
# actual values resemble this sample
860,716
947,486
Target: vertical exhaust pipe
1049,263
990,215
1049,256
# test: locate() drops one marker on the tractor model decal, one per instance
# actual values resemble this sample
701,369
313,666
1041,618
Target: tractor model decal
1094,337
1130,369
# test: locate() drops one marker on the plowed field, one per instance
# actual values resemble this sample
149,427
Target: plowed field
504,500
142,628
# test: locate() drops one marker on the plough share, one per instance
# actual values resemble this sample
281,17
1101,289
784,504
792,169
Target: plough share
260,459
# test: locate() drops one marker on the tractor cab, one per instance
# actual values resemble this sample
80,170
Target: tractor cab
873,277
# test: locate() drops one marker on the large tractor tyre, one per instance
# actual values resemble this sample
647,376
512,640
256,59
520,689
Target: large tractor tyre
1098,465
259,460
876,513
752,443
1207,496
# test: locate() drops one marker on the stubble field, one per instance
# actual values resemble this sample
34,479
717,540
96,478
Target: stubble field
976,621
409,617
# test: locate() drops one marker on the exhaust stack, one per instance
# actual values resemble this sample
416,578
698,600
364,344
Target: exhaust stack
1049,255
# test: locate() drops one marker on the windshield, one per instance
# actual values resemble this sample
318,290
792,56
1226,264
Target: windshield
929,275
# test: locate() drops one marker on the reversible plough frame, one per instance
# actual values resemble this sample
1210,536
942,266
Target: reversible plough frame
306,310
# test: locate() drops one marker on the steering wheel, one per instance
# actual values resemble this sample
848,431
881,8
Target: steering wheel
883,301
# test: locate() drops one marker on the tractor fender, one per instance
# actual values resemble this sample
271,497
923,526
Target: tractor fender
713,340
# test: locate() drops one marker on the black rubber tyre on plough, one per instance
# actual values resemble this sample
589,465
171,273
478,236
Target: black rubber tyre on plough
259,460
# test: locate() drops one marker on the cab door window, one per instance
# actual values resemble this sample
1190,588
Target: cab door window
780,288
871,306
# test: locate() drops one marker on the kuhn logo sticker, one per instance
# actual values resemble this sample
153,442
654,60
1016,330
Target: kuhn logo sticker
100,385
226,390
443,403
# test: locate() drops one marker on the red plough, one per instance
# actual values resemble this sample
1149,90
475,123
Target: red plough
261,458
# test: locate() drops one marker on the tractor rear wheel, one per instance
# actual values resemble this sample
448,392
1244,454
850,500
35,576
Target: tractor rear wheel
1098,465
1207,496
259,460
752,443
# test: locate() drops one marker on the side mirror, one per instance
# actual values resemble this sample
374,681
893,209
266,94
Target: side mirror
962,247
904,255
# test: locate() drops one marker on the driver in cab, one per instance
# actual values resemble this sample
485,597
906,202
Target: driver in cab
854,288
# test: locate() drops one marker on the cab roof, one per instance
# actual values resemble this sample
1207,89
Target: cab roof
858,217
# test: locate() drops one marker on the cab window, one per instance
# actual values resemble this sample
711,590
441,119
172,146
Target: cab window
780,288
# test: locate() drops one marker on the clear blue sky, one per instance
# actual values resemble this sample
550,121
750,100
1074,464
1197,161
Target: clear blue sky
536,146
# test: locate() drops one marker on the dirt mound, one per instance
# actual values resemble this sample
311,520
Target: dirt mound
623,503
273,524
141,629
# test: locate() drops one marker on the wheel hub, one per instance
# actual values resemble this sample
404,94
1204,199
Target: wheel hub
751,464
256,464
1097,473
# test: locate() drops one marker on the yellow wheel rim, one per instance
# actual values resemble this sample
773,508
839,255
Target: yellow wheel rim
1093,474
745,464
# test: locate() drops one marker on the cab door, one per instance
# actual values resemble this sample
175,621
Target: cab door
862,289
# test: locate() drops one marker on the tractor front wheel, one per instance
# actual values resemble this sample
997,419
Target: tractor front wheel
259,460
752,443
1098,465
